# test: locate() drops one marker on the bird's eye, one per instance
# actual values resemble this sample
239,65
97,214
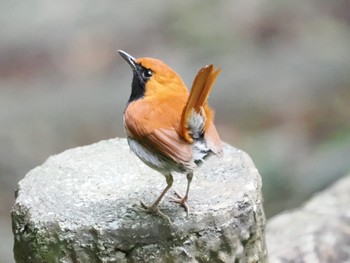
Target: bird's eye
147,73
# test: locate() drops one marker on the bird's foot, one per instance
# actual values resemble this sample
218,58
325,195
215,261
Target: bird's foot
155,210
181,201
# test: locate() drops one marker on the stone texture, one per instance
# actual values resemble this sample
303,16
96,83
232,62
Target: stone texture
83,206
315,233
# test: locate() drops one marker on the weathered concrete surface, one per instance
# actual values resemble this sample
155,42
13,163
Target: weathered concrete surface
315,233
83,206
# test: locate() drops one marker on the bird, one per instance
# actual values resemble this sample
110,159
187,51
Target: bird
169,128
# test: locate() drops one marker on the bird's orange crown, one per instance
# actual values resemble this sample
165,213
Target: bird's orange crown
164,79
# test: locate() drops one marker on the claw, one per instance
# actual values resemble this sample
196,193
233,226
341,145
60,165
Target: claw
155,210
181,201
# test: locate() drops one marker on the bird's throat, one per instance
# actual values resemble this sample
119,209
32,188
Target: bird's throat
138,87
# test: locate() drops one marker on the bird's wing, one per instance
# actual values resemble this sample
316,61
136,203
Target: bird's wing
170,144
156,127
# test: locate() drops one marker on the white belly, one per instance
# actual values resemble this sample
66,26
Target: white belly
158,162
165,165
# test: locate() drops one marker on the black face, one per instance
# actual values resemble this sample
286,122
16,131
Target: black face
140,77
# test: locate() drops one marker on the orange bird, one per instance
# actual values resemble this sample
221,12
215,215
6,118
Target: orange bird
169,129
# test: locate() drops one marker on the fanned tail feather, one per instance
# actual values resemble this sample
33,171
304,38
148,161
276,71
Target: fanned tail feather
197,100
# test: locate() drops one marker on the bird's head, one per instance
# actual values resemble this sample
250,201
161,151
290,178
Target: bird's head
152,77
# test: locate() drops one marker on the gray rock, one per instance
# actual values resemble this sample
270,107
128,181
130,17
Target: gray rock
83,205
315,233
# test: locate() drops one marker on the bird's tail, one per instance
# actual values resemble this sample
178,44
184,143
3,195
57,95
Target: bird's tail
196,112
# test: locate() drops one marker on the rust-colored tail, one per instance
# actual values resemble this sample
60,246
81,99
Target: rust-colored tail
197,100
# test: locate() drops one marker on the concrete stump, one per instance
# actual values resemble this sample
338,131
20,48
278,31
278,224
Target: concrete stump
83,205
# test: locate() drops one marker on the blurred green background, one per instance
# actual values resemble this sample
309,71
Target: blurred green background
283,95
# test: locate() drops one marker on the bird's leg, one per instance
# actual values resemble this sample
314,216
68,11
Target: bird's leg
183,200
154,207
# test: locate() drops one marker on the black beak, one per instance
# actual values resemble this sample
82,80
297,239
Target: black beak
128,58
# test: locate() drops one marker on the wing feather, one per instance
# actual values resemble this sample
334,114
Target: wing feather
212,139
170,144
